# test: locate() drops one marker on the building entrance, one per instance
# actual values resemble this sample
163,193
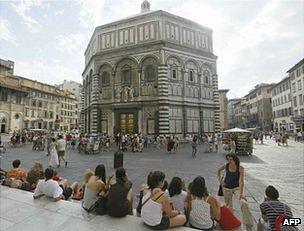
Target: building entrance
126,121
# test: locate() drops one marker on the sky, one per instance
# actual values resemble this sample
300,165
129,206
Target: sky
255,41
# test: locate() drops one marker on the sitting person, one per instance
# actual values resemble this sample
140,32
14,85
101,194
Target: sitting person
156,211
3,174
202,208
79,194
56,177
51,188
35,174
96,186
177,195
165,187
271,208
120,195
16,172
143,190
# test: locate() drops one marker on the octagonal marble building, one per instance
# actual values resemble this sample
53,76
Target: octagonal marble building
153,73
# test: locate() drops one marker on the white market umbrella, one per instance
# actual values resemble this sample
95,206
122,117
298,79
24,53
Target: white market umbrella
235,130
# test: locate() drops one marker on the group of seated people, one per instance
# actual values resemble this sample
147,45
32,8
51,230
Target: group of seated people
161,205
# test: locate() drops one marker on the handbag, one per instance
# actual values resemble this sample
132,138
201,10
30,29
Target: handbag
101,205
220,191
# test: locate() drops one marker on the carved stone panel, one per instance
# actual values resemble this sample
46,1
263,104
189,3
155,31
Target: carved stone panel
106,93
148,89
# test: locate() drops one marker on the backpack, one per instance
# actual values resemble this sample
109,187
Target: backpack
279,221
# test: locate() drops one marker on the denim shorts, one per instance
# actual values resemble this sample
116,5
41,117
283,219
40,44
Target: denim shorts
164,223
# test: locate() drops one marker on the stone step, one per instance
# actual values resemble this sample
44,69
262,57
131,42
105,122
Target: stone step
19,211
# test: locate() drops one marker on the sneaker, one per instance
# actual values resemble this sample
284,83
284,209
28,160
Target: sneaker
66,164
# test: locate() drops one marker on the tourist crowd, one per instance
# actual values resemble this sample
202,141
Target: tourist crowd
161,205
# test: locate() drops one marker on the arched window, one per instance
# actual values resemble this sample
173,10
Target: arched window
105,78
150,73
191,76
3,120
206,77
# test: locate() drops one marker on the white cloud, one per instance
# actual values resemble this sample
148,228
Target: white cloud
264,27
91,12
46,72
60,12
5,32
71,43
23,9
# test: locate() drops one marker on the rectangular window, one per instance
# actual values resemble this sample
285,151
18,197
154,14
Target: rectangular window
174,74
18,98
295,101
298,72
33,113
191,77
126,77
299,85
294,87
301,99
3,95
34,103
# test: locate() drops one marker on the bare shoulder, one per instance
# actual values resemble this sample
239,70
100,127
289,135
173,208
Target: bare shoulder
241,168
212,199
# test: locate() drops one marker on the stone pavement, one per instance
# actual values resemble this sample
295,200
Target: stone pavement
270,164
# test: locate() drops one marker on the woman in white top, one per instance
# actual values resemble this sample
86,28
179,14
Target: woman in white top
177,194
202,208
53,154
156,211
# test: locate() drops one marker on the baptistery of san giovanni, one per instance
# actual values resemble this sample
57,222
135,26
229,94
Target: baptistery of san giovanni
152,73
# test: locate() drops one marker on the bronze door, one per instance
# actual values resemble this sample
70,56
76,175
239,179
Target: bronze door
127,123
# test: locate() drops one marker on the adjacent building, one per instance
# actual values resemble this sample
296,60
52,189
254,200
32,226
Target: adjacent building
240,113
296,74
12,99
76,89
230,110
29,104
223,100
259,107
282,107
152,73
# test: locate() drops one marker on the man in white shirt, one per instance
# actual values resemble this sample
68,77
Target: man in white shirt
48,187
61,145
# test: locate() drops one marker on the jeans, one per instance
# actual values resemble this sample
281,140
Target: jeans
194,150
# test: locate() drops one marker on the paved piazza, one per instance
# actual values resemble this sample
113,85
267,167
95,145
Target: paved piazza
270,164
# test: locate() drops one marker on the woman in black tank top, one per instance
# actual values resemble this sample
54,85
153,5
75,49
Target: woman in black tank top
233,184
